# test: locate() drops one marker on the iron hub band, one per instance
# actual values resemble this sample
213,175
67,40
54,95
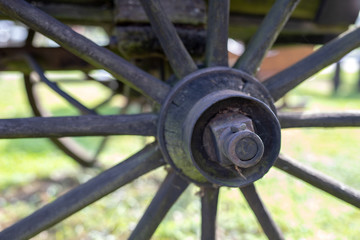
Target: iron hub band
194,145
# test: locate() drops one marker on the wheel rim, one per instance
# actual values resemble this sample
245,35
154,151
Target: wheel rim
183,65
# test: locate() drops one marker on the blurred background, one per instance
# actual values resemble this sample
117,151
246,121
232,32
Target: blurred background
34,171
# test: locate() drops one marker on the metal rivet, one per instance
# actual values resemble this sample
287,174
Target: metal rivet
242,126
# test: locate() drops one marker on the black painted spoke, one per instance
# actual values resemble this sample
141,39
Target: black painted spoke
67,145
88,125
217,33
337,77
72,148
36,67
263,216
209,202
33,99
319,180
126,92
297,120
179,58
85,48
101,147
266,35
83,195
30,38
168,193
358,78
104,102
331,52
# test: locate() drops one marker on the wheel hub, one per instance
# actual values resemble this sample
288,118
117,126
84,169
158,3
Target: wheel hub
218,126
232,141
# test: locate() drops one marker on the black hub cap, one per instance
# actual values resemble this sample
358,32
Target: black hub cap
218,126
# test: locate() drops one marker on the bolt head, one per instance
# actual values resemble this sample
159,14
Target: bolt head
235,142
246,149
234,129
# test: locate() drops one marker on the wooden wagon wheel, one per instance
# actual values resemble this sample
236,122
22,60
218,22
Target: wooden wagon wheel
70,146
217,126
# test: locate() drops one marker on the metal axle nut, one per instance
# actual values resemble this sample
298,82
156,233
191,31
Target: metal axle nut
236,142
243,148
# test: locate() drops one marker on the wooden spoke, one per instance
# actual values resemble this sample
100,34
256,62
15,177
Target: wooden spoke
342,119
266,35
217,33
85,48
83,195
74,150
179,58
36,67
209,202
318,180
331,52
89,125
168,193
263,216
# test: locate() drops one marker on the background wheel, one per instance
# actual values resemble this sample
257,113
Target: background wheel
86,156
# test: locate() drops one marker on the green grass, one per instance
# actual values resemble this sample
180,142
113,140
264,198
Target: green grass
33,172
